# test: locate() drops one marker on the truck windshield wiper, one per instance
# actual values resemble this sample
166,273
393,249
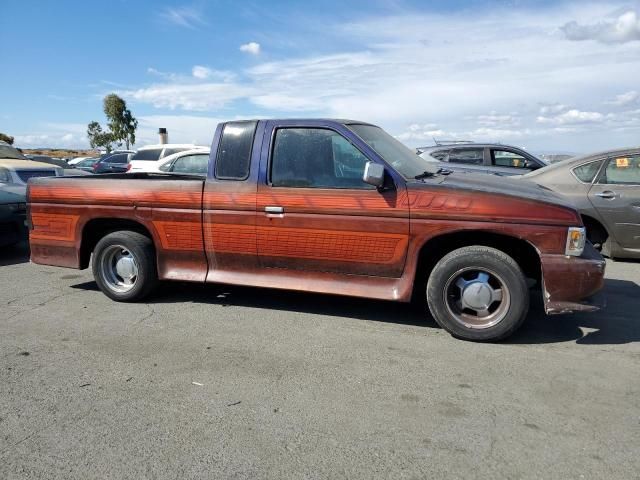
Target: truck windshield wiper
427,173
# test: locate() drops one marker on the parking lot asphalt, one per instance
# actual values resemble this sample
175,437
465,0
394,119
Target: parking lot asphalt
233,382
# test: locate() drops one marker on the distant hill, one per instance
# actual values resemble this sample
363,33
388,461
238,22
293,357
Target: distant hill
60,152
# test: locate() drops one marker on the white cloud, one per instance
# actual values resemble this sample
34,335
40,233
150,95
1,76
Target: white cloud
181,128
201,72
497,120
512,75
626,98
187,17
189,96
49,140
252,47
621,29
553,108
572,117
414,136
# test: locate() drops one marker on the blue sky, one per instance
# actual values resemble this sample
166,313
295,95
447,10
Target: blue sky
549,76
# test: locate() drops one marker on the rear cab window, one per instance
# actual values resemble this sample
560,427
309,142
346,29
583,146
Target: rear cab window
233,158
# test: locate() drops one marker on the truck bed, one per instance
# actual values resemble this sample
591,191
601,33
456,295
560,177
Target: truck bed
65,210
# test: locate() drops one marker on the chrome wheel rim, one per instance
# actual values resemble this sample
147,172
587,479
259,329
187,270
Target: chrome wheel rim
118,268
477,297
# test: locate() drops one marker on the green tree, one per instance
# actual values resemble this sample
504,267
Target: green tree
98,138
122,123
6,138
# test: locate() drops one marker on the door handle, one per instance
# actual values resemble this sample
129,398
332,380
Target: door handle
608,194
274,209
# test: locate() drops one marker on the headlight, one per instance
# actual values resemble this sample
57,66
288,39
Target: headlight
576,237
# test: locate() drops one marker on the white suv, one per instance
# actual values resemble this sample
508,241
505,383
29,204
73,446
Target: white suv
145,159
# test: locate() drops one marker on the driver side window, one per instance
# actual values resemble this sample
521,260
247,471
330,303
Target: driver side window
316,158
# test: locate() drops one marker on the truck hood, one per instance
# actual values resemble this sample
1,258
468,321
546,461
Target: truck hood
500,185
490,197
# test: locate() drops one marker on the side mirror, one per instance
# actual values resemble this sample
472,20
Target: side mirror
373,174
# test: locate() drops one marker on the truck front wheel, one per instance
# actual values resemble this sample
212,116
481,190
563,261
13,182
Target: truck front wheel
478,293
124,266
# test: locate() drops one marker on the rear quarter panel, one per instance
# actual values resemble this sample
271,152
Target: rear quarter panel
61,210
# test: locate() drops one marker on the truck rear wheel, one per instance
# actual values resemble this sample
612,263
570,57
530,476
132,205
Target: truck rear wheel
478,293
124,266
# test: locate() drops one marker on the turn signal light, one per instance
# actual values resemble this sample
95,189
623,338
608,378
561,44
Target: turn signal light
576,238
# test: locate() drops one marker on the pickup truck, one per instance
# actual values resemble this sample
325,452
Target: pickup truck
332,206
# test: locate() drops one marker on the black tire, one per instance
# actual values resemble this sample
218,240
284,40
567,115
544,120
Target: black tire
140,249
504,279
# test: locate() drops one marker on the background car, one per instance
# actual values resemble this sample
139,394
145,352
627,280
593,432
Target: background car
143,160
114,162
482,158
193,162
68,170
605,187
87,164
13,214
16,169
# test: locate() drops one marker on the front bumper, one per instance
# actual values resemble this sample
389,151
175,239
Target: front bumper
571,284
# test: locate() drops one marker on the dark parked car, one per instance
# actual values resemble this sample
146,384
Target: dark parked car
115,162
68,170
605,187
87,164
13,214
482,158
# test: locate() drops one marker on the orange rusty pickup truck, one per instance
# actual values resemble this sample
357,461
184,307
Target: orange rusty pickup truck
332,206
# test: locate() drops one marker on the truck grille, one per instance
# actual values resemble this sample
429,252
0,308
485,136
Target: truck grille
25,175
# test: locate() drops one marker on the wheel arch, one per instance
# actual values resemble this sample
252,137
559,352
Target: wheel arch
432,250
594,226
96,228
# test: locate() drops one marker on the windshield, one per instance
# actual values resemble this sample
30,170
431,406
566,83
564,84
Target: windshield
7,151
403,159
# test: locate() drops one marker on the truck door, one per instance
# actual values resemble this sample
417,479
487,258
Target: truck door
314,212
229,198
